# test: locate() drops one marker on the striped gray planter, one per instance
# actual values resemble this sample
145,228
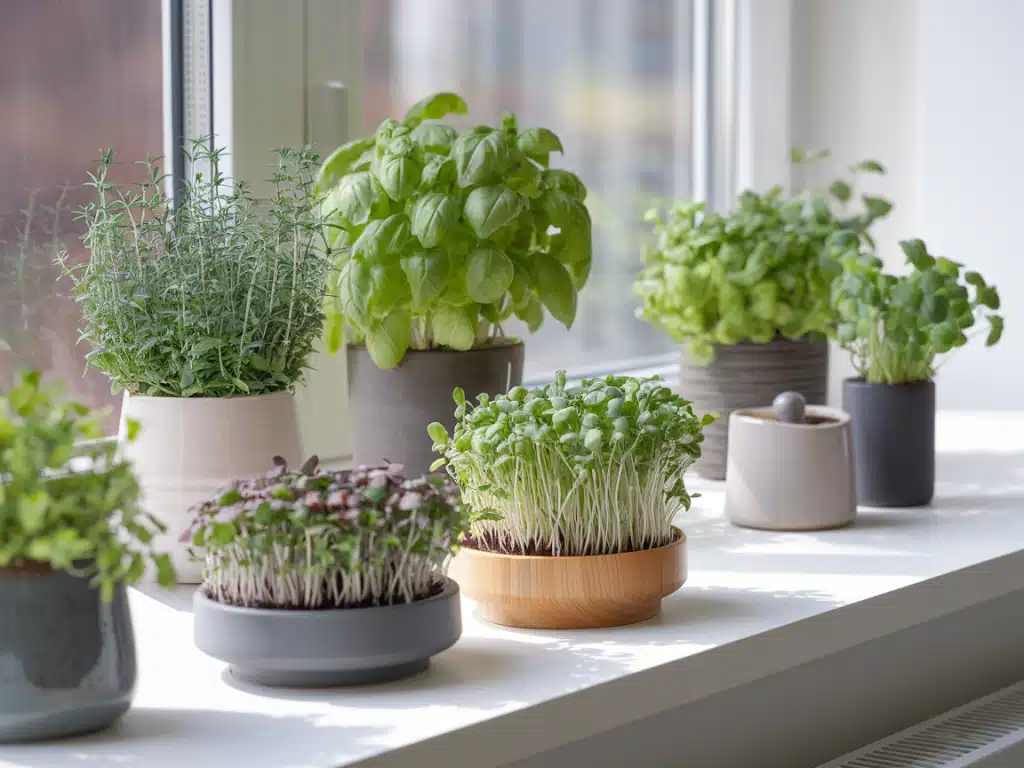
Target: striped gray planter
749,375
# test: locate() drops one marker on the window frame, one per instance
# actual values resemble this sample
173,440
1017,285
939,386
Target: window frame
287,73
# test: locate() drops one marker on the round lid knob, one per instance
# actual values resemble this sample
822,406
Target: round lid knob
789,407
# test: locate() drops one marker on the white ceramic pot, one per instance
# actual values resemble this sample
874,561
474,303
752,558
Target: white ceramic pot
189,446
790,476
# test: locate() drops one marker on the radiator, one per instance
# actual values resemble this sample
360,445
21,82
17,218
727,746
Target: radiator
987,733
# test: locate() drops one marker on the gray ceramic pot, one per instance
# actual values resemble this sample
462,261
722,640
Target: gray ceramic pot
893,441
315,649
67,659
790,476
748,375
390,410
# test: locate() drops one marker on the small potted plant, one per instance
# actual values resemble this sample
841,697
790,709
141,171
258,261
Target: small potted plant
205,313
440,237
319,578
746,294
71,537
895,327
573,490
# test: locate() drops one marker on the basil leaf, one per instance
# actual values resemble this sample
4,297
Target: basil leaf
434,107
427,273
488,275
388,340
454,327
490,208
432,216
480,157
384,240
555,289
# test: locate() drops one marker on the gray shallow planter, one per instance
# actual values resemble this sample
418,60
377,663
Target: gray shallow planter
67,659
311,649
893,441
790,476
748,375
391,409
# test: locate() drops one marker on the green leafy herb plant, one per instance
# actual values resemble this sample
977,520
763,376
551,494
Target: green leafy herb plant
590,469
312,539
760,271
67,502
219,295
896,326
440,235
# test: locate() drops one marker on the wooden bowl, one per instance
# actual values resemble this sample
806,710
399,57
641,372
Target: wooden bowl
571,592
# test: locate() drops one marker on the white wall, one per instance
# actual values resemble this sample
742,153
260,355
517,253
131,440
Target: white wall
931,89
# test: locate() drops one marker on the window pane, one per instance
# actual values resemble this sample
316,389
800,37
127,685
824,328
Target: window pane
610,77
75,78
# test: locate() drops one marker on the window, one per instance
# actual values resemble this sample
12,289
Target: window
75,78
611,77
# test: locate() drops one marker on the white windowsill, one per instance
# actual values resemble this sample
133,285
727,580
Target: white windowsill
755,603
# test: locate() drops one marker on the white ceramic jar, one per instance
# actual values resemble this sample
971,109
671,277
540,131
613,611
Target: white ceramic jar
790,476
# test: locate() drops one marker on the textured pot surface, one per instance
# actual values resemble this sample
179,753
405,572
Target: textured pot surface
67,659
790,477
571,592
748,375
893,441
348,646
391,409
189,447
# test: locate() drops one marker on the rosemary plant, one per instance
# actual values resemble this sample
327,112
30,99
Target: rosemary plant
84,520
592,469
220,295
319,540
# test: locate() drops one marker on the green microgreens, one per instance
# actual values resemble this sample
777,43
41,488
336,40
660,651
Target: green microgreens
584,470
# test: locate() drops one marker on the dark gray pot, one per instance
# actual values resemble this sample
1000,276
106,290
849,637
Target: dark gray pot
893,441
67,659
749,375
390,410
315,649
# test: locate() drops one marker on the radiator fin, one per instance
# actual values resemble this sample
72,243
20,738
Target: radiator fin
957,739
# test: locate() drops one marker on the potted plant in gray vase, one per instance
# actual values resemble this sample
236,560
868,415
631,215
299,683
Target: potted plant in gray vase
440,237
319,579
205,314
895,327
72,537
747,295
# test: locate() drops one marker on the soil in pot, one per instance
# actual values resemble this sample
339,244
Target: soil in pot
893,428
328,648
748,375
68,658
390,409
548,592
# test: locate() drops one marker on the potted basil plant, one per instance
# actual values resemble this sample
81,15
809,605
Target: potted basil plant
573,491
320,578
205,314
895,328
440,237
72,537
746,295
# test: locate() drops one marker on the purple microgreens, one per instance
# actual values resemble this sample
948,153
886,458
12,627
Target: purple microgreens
317,539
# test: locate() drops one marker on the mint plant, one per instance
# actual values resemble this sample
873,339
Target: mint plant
591,469
311,539
218,296
66,501
440,236
757,272
896,326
